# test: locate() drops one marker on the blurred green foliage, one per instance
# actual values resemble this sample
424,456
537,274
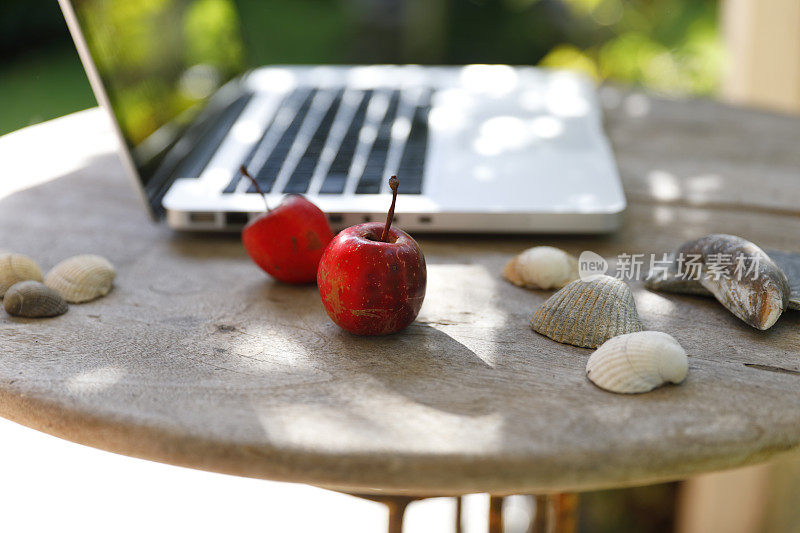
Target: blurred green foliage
670,46
160,57
41,85
294,31
40,74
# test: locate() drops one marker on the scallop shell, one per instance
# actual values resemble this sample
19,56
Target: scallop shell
637,362
588,313
757,298
32,299
15,268
542,267
81,278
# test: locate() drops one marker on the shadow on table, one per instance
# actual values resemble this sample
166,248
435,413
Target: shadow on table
423,365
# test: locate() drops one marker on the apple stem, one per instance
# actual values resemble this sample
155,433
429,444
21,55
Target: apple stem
393,183
247,175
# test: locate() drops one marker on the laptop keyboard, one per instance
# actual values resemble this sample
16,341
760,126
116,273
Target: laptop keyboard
334,141
336,176
301,175
372,175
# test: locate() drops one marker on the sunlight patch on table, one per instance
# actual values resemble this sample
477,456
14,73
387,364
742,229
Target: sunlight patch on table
95,380
69,143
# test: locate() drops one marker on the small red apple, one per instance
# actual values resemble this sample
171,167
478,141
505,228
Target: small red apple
372,277
287,242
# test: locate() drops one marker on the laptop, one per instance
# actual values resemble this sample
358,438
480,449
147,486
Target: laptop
476,148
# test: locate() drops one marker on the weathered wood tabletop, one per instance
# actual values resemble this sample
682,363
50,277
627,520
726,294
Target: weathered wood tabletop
196,358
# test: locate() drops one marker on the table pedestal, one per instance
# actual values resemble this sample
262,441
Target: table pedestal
555,513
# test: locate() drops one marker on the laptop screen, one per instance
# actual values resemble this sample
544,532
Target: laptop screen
160,63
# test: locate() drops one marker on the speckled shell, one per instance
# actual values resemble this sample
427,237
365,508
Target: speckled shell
759,302
81,278
15,268
637,362
541,267
671,281
588,313
32,299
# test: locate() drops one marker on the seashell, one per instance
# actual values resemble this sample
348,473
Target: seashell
81,278
758,297
637,362
15,268
33,299
588,313
672,281
542,267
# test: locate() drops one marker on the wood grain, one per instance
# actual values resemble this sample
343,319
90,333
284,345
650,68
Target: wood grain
196,358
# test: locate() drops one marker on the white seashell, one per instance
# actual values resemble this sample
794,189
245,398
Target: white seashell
32,299
81,278
542,267
15,268
588,313
637,362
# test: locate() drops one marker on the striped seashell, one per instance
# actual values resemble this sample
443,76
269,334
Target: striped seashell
32,299
637,362
588,313
81,278
542,267
15,268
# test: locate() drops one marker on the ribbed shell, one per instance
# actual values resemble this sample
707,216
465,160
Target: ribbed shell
637,362
81,278
588,313
541,267
15,268
32,299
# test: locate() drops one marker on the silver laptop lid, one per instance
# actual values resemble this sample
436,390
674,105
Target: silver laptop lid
168,71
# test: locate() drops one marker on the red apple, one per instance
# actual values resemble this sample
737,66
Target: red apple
372,277
287,242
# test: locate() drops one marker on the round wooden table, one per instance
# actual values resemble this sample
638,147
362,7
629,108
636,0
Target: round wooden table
198,359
